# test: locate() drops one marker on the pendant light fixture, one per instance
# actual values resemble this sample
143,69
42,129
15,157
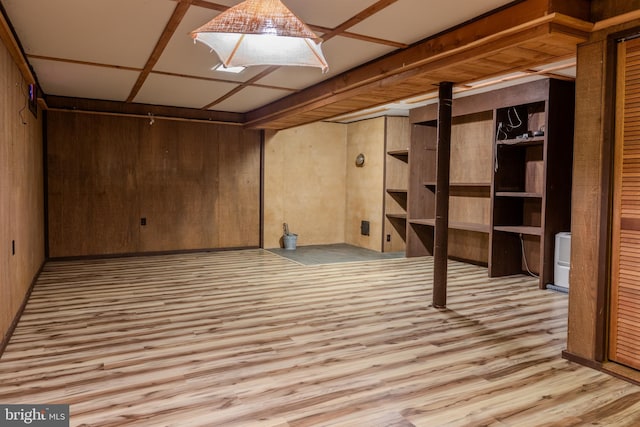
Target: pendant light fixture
261,32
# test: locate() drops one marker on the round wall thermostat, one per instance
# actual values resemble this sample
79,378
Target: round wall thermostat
360,160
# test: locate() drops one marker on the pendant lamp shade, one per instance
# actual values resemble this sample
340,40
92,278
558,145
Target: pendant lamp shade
261,32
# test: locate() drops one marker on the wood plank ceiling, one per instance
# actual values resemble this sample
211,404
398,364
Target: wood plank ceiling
518,36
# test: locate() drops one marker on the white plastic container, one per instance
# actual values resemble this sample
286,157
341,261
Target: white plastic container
562,260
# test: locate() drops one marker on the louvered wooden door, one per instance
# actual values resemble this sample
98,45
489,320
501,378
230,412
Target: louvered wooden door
624,335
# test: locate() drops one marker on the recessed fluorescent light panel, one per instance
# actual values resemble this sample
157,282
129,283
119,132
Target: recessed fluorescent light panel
234,70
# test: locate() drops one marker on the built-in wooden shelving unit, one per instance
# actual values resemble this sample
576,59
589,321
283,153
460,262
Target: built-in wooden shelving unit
510,174
397,136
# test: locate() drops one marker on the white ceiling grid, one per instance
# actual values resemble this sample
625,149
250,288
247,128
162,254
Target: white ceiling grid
97,48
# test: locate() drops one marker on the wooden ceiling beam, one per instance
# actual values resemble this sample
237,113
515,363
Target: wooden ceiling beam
238,88
176,17
70,104
424,81
324,30
208,5
368,12
483,36
496,24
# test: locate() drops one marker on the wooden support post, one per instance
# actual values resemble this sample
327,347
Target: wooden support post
443,157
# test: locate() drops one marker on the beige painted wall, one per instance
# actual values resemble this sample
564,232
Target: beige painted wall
365,185
305,184
21,192
311,182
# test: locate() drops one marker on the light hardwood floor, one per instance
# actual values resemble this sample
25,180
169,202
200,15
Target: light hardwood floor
247,338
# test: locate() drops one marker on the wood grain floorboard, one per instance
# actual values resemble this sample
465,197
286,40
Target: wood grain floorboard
248,338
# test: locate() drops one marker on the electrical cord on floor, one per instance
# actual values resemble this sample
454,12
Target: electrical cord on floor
524,258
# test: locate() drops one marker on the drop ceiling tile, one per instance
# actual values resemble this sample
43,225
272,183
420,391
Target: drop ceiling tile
161,89
249,99
327,13
408,21
183,56
84,30
293,77
83,81
123,33
342,54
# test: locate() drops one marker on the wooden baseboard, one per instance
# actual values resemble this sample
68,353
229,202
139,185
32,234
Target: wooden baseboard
16,319
622,372
153,253
581,360
611,368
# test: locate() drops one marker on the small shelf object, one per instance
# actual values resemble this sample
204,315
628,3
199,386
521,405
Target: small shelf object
523,142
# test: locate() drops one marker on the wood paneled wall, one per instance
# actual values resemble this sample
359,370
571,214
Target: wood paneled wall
197,185
589,277
21,193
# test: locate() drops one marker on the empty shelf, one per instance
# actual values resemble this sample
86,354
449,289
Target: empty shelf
518,194
454,225
400,154
470,184
468,226
429,222
397,216
520,229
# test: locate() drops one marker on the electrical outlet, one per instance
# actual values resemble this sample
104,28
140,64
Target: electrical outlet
388,237
143,221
